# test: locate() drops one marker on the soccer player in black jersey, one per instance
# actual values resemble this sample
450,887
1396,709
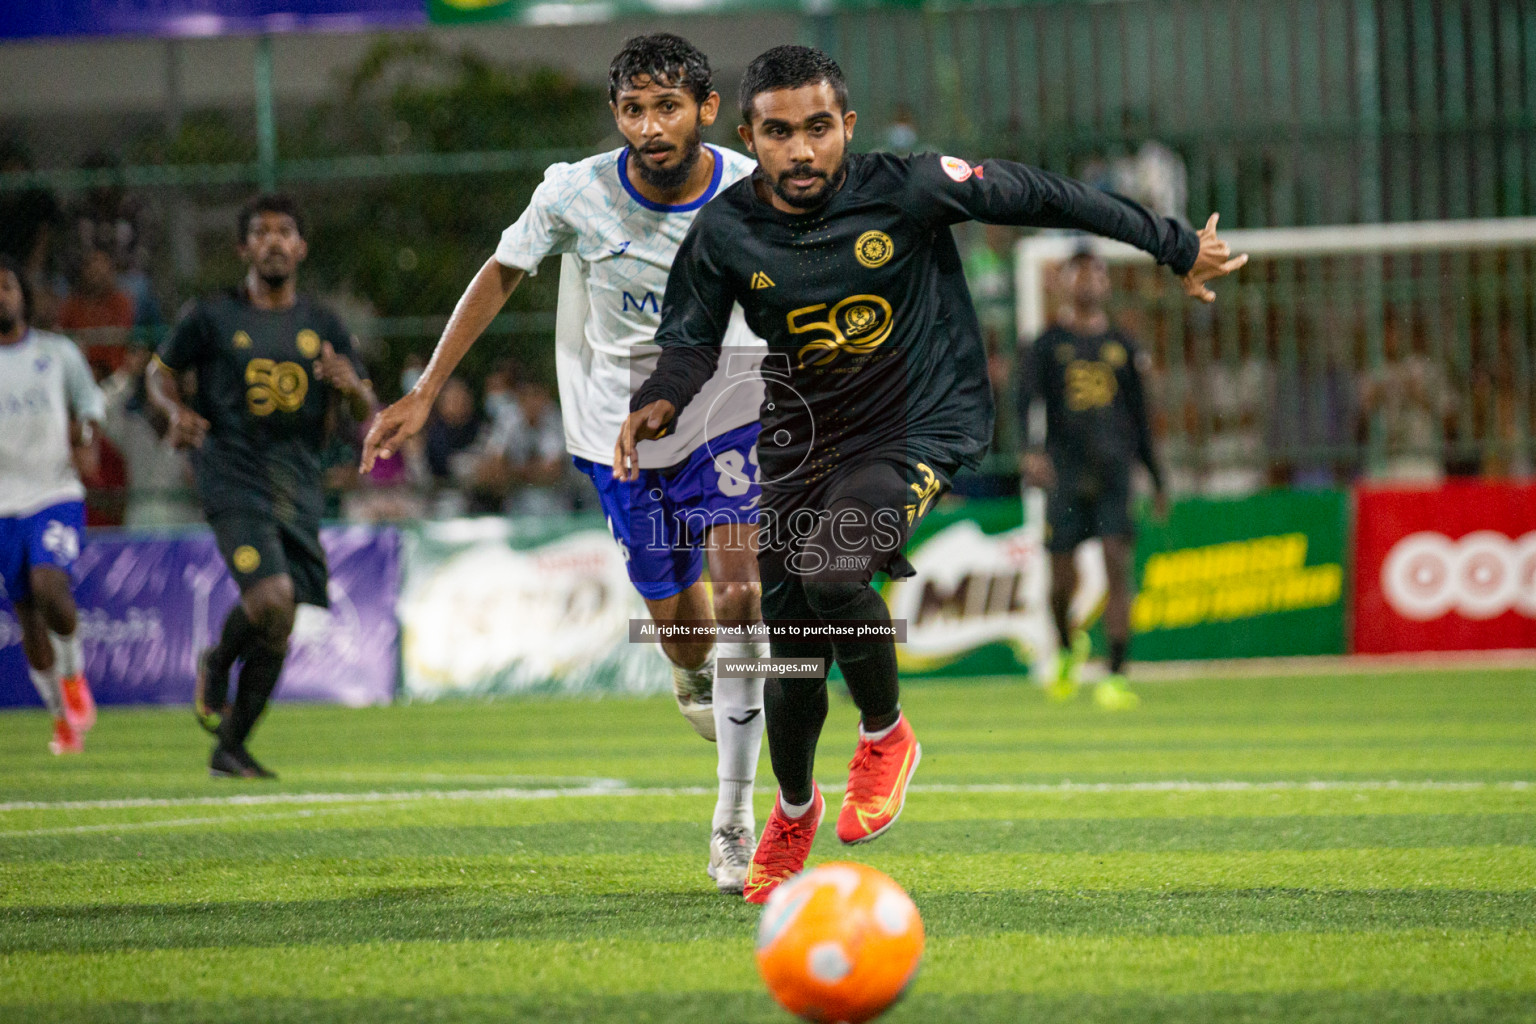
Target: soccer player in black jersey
271,365
876,390
1088,374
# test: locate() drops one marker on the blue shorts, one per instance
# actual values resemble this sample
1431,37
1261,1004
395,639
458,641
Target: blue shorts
660,519
50,537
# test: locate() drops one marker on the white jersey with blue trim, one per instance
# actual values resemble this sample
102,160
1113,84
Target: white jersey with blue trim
618,248
44,382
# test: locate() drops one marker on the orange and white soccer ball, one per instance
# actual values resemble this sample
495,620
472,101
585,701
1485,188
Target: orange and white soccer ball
839,944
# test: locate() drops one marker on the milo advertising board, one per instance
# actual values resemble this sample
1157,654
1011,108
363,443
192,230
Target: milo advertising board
1261,576
977,605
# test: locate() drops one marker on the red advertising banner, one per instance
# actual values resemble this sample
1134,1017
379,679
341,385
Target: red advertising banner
1445,569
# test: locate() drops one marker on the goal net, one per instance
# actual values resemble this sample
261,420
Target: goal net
1388,351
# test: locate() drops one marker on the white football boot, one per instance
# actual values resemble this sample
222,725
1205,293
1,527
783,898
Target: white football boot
730,856
695,692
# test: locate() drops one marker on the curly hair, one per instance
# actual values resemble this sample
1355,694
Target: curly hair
665,59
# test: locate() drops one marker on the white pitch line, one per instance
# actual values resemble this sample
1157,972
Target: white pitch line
177,822
555,793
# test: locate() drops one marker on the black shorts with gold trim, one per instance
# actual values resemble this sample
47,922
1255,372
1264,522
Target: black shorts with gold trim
848,525
258,547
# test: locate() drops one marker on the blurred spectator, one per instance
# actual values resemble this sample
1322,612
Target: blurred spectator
1407,401
1236,391
96,312
1152,174
29,223
450,437
499,387
392,489
901,135
1312,426
1496,442
525,457
104,471
159,480
411,371
108,218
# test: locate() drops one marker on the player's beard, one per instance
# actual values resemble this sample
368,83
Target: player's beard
668,179
818,197
7,323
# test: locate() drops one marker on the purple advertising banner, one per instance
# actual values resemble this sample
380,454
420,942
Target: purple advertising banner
148,604
29,19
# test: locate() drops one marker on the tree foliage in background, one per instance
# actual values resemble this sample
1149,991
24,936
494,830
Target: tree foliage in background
405,246
409,245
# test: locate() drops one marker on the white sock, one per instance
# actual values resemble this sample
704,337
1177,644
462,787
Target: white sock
68,654
876,737
739,735
795,810
48,688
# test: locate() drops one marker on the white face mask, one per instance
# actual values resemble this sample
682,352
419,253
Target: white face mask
496,404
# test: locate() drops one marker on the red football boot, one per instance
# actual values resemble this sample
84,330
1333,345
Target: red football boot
877,783
782,850
65,739
79,705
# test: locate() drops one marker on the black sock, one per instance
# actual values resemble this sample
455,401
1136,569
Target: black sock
1061,613
258,678
1118,650
869,667
794,711
237,635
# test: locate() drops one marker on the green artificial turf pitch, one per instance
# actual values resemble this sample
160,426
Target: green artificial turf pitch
1334,848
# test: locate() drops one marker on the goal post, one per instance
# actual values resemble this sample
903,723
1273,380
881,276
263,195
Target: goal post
1285,378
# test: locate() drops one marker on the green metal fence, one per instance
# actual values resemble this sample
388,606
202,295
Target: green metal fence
1274,112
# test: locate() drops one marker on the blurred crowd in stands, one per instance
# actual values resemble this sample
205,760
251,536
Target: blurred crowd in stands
1230,421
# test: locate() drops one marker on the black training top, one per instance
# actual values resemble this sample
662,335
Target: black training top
266,413
1095,407
874,345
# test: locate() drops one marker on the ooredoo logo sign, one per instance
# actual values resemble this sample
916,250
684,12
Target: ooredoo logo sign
1450,569
1481,576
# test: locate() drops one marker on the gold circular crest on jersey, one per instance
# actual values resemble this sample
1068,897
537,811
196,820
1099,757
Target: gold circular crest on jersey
308,342
246,559
1113,353
241,340
874,248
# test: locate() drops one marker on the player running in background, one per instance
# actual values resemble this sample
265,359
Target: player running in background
845,263
269,362
618,217
49,406
1088,374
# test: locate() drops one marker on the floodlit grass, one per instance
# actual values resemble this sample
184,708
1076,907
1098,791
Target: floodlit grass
1351,848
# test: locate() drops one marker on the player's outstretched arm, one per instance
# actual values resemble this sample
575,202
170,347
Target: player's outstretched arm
1215,260
641,425
948,190
187,429
477,307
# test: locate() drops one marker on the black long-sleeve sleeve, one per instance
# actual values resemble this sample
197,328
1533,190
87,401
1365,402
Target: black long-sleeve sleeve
695,312
949,190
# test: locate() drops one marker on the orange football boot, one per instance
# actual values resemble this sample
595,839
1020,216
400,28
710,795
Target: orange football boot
877,783
79,705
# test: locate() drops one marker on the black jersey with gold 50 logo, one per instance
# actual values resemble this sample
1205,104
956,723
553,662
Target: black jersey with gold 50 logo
874,346
266,412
